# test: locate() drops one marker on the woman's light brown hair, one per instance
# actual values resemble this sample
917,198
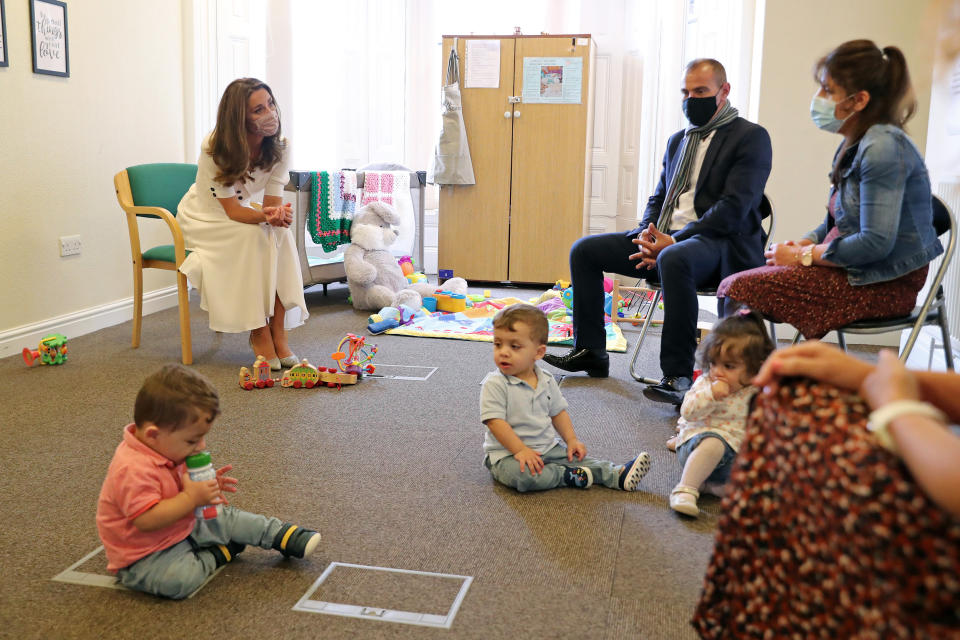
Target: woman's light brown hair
228,142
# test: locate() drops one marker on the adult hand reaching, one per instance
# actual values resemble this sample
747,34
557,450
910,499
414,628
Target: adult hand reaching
889,382
816,360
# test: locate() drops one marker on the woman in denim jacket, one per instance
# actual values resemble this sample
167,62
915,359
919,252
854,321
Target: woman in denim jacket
869,257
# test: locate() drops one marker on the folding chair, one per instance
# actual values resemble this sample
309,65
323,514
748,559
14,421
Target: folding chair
931,308
767,222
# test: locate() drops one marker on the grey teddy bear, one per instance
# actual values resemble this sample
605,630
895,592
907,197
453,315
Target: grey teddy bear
373,275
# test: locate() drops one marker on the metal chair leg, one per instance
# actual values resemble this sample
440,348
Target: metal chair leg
643,332
945,332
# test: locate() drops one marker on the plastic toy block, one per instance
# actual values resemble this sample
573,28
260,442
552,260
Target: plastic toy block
451,302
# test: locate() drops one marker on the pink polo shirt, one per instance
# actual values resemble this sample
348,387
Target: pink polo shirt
138,478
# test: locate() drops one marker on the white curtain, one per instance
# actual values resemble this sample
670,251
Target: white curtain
359,81
670,34
364,76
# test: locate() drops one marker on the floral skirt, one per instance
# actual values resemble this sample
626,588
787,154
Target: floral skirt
817,300
824,533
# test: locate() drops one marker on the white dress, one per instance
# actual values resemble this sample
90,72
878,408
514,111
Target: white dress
239,268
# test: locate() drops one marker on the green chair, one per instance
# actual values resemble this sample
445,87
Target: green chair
154,191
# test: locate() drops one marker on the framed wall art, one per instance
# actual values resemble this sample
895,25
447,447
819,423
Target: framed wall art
51,52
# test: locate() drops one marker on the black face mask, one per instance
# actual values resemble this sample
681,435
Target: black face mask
700,110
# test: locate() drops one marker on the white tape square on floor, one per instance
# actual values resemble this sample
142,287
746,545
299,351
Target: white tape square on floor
101,577
401,372
353,593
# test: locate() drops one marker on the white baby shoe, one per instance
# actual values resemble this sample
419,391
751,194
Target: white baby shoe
683,499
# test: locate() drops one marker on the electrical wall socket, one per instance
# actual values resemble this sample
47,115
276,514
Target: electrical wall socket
70,245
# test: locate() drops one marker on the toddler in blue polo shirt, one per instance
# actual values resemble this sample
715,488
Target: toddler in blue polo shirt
524,411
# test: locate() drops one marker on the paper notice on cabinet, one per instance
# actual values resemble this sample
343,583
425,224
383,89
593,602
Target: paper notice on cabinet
552,80
483,64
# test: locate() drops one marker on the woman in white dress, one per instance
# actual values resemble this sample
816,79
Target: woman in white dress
243,258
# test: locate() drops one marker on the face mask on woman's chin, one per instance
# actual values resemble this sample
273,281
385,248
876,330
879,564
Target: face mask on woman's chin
266,126
823,114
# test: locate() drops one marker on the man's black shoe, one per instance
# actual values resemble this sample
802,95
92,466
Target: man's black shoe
595,362
670,390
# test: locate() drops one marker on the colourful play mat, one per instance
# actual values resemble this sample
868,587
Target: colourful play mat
476,324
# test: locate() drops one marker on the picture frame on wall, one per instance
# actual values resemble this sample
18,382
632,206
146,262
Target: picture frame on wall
4,60
51,51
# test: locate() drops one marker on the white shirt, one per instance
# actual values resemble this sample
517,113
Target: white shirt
701,412
240,269
684,212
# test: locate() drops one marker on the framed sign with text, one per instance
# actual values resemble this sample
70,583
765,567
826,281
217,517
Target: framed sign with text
4,61
51,54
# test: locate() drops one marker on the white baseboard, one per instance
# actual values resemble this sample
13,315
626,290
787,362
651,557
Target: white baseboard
84,321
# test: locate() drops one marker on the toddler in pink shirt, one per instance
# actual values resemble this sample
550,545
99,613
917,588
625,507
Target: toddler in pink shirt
145,513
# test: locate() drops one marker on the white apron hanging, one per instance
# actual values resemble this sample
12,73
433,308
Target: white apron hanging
451,157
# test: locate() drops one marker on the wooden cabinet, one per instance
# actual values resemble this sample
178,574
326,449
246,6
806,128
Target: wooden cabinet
531,164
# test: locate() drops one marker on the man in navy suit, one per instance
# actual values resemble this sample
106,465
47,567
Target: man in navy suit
701,224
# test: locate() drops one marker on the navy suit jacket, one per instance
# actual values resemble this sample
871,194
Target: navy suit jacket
728,193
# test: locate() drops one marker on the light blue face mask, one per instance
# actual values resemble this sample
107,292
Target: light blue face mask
823,114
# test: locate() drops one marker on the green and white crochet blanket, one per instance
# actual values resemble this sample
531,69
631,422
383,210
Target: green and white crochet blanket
333,201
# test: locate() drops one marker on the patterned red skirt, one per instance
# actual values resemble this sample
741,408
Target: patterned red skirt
825,534
817,300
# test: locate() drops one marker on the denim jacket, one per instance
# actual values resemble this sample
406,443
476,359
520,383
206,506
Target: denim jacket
883,212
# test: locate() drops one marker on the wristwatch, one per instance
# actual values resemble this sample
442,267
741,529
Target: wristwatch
879,420
806,255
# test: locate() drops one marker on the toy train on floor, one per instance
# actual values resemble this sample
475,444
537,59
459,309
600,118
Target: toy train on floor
353,358
303,375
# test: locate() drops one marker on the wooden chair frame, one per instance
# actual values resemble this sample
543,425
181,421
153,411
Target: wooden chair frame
121,182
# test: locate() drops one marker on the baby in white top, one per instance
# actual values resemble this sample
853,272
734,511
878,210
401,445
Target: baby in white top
714,411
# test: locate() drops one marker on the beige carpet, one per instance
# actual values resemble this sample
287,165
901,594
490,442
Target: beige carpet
389,471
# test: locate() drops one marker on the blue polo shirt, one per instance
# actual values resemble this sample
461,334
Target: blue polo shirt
527,410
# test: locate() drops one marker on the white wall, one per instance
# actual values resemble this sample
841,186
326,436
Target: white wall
795,37
63,139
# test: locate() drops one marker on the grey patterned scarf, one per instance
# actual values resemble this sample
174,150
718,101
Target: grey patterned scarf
691,140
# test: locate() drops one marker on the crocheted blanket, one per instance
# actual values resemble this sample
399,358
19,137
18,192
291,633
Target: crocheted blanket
333,201
393,188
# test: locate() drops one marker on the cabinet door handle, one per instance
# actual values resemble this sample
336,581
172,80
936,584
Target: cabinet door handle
516,114
506,114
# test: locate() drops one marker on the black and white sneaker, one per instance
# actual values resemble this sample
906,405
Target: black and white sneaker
634,471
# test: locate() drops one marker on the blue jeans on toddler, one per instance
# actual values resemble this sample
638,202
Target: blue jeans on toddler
507,471
179,570
722,471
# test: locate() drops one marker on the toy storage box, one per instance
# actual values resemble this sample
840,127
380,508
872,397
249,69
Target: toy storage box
320,267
